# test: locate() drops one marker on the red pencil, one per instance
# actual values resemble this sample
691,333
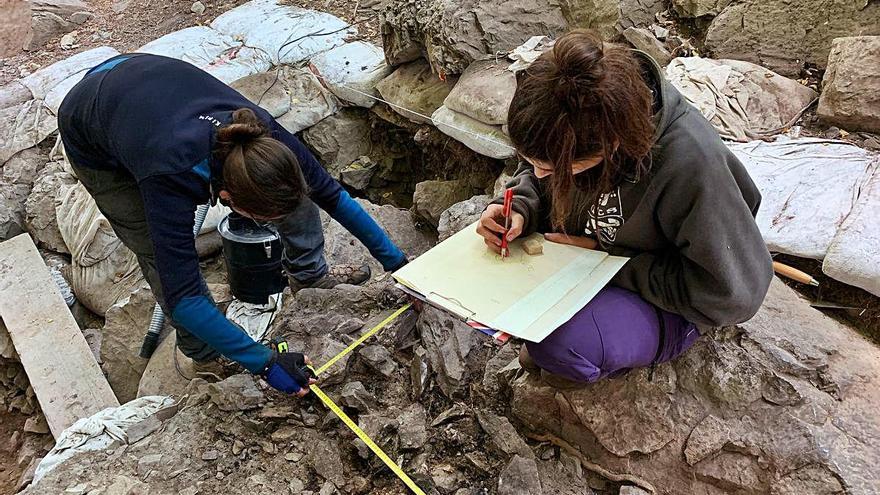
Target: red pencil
508,203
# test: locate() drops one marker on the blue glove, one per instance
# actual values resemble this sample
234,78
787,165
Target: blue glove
287,372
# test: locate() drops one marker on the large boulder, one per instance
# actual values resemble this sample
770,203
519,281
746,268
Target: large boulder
783,35
784,403
433,197
351,71
52,18
851,88
699,8
414,91
340,139
15,25
484,92
454,34
41,217
461,214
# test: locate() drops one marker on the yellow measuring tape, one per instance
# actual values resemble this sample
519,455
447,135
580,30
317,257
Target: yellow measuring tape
348,421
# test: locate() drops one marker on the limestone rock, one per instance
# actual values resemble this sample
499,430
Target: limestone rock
355,396
850,89
197,8
340,139
454,34
415,87
412,426
41,219
24,166
484,92
699,8
639,13
379,359
503,435
783,35
15,25
642,39
359,173
14,93
520,476
461,214
126,323
52,18
264,89
454,350
12,208
433,197
24,125
161,376
711,405
236,393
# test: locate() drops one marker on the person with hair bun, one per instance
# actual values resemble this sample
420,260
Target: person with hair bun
613,158
152,138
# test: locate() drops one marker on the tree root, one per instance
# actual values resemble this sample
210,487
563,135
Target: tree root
601,471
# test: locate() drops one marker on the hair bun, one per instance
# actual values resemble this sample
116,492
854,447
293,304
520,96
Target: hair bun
245,127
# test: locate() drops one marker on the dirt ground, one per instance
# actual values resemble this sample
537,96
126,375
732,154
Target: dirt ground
128,24
9,470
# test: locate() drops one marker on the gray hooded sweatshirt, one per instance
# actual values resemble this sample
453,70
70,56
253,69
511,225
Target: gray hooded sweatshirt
688,224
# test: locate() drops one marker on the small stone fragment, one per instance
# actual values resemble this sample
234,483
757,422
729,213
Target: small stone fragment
197,8
36,424
210,455
520,476
533,247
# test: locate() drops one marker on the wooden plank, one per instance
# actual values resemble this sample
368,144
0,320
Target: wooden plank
66,379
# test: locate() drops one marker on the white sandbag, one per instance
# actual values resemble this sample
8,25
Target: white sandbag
254,318
483,92
102,429
310,101
24,125
57,93
43,81
102,269
285,33
854,254
742,100
352,69
220,55
483,138
215,214
808,188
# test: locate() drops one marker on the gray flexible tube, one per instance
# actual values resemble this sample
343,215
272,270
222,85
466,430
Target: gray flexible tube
151,339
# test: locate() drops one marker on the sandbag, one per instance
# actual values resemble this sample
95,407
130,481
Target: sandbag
218,54
102,269
808,188
854,254
44,81
102,429
284,33
310,101
743,101
484,92
352,69
24,125
485,139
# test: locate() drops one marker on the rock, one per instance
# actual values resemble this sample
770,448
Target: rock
484,92
454,35
419,373
24,166
161,375
446,477
485,139
14,93
12,208
24,125
324,459
461,214
783,35
704,418
15,25
310,101
210,455
644,40
264,89
355,396
36,424
699,8
381,428
415,88
379,359
41,219
850,91
857,241
433,197
359,173
455,351
342,247
495,377
68,41
52,18
520,476
632,490
412,430
351,71
340,139
639,13
122,336
148,463
503,435
198,8
236,393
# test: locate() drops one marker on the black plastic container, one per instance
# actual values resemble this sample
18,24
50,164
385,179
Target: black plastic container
253,259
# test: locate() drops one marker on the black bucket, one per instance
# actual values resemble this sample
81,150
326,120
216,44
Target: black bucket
253,259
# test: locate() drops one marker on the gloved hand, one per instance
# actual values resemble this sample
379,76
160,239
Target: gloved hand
287,372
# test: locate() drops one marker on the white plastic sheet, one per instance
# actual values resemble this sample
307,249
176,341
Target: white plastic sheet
254,318
352,69
485,139
284,33
100,430
43,81
220,55
808,188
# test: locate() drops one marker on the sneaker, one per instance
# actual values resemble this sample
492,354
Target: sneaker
526,361
336,275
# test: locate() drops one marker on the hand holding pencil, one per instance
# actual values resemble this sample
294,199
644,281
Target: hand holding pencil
499,229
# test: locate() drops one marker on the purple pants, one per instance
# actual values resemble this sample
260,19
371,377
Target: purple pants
616,331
